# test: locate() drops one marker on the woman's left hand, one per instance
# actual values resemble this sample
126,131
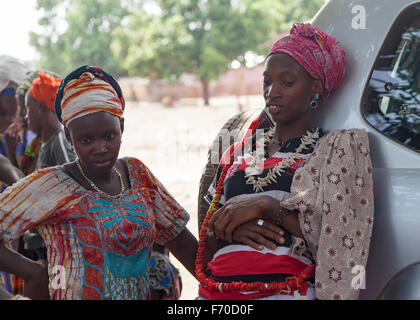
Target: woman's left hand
258,235
237,211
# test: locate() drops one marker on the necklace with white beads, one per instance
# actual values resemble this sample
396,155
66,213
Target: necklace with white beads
309,139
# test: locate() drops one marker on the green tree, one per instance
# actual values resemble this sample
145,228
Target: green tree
203,37
162,39
78,32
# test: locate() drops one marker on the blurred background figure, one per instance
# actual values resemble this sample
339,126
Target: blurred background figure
165,279
30,156
50,147
13,139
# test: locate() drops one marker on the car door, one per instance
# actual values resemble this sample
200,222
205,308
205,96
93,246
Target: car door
381,93
391,106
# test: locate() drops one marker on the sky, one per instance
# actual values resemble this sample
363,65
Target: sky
17,18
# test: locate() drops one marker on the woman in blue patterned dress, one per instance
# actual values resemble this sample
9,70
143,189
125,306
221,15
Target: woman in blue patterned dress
99,215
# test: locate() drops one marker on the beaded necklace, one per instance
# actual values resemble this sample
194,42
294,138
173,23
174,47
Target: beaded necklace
287,286
259,183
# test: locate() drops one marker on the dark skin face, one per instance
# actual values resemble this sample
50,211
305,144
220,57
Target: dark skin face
10,112
96,138
22,110
288,90
34,116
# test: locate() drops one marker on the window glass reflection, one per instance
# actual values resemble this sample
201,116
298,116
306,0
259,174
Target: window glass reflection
392,101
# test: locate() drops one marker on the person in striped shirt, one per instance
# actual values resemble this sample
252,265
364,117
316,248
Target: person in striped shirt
315,185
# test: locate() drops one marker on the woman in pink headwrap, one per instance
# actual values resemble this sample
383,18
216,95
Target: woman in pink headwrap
99,216
316,187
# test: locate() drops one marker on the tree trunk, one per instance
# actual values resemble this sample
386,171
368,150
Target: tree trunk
206,91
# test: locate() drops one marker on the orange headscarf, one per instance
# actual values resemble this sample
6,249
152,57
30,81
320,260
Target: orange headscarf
44,89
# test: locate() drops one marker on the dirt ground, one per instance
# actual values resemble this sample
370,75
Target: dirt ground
173,143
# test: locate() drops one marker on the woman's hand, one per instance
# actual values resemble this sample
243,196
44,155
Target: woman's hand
238,211
12,136
257,237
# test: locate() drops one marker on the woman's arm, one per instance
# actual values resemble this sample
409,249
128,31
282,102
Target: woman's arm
184,248
34,274
8,173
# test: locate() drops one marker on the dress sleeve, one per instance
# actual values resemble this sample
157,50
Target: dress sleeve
30,202
170,217
333,194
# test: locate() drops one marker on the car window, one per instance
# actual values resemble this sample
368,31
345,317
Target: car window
392,99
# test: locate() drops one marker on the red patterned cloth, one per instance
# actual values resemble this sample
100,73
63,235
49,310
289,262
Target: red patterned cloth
317,52
102,244
333,194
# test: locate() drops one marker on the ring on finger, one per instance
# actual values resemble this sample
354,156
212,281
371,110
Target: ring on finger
260,222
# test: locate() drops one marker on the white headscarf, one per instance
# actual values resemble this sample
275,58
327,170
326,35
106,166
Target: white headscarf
12,69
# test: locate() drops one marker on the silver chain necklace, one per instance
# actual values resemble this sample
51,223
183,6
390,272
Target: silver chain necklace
96,188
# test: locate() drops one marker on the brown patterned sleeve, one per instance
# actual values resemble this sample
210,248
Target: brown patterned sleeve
333,194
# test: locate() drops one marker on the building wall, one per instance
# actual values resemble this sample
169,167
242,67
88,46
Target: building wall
236,82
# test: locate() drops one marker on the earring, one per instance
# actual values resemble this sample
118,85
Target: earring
314,102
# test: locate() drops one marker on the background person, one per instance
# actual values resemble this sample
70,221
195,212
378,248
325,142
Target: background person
53,148
30,156
12,72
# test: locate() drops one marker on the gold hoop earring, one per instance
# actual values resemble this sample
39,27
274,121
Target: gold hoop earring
314,102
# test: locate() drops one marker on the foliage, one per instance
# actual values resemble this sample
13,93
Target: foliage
78,32
162,39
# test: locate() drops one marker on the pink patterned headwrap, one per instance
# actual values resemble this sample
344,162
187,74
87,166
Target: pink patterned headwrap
317,52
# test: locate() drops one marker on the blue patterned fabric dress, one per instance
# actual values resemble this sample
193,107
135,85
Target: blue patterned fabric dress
101,245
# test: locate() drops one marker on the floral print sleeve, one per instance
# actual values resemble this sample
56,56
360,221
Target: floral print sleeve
170,217
333,194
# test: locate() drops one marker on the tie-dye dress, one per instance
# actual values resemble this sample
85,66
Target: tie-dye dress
98,247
